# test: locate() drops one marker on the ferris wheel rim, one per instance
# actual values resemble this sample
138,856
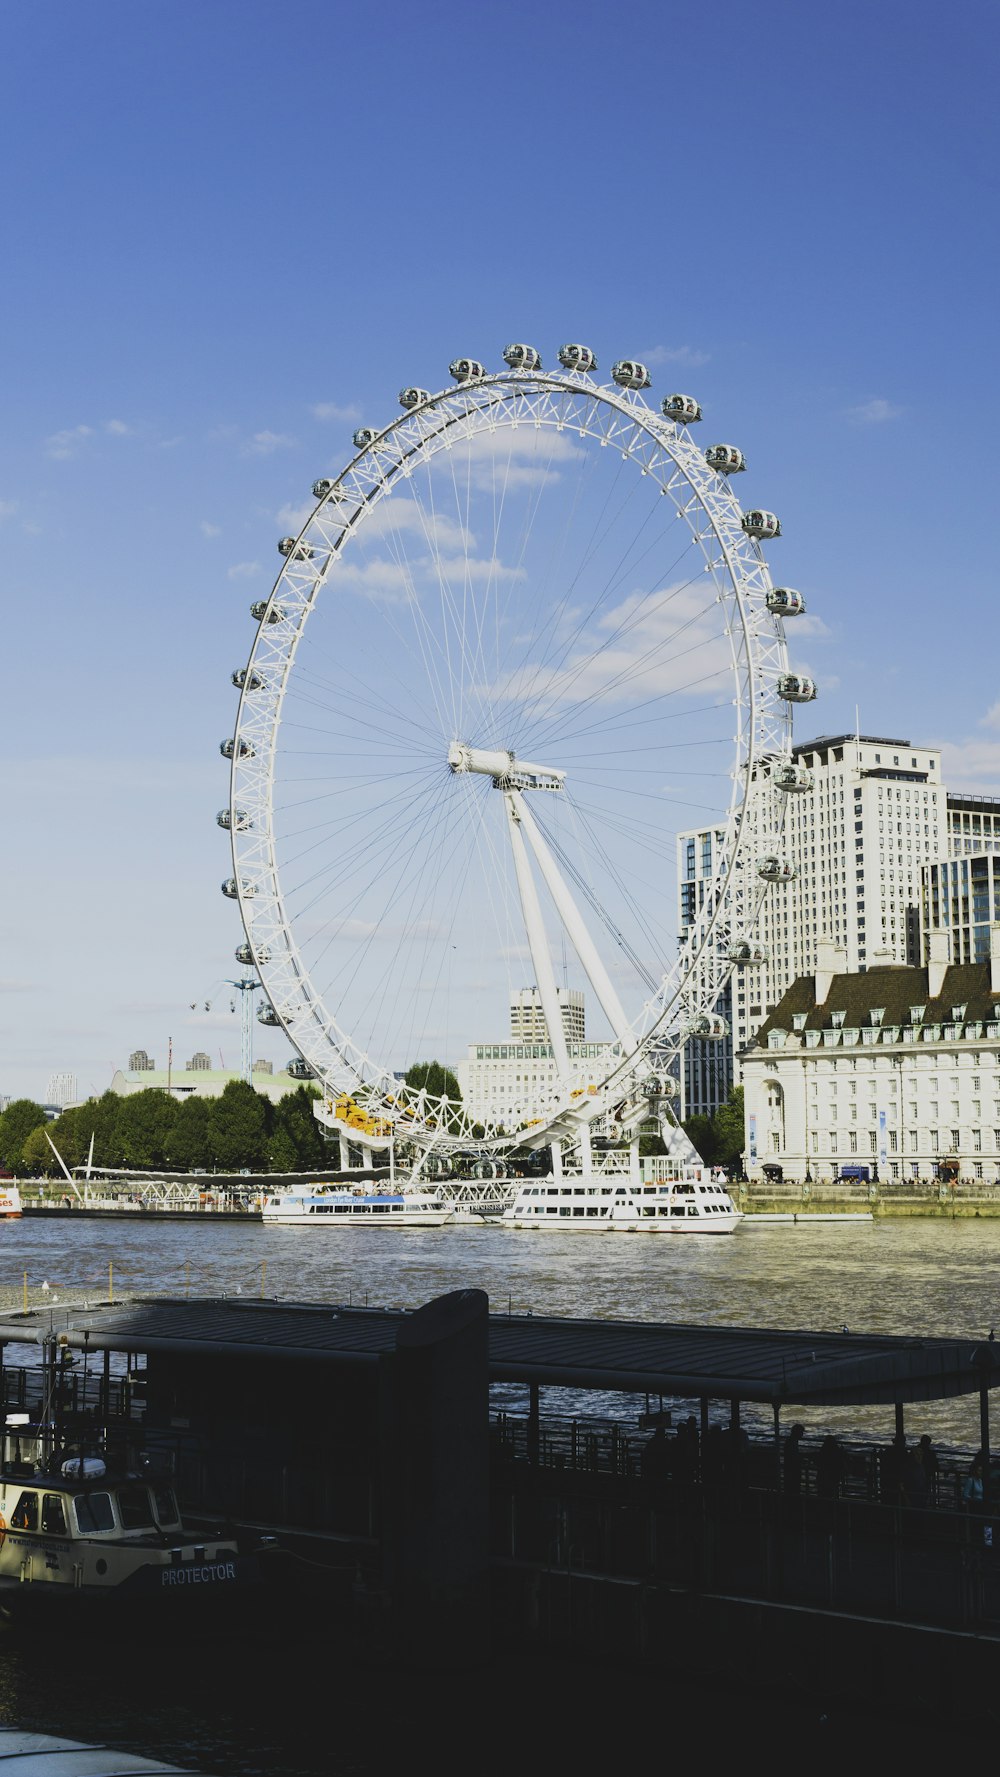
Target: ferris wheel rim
378,466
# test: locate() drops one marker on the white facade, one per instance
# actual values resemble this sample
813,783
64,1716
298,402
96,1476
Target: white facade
858,839
62,1089
495,1078
198,1082
892,1074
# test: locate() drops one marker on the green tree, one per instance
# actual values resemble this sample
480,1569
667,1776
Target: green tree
296,1143
37,1158
730,1132
238,1128
431,1077
16,1124
189,1146
701,1132
146,1122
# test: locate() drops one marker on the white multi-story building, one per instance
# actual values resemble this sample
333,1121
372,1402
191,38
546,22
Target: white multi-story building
527,1017
858,839
706,1073
973,824
960,896
890,1074
62,1089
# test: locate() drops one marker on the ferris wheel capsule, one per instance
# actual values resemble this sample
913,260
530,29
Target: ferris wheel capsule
467,370
237,817
708,1025
259,610
325,489
628,373
725,459
577,358
522,358
748,950
364,436
288,546
300,1069
245,954
410,398
245,679
791,777
784,601
267,1015
231,749
796,688
761,525
772,867
232,889
682,408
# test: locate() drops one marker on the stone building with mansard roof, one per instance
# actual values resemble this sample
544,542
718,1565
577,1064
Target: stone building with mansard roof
890,1074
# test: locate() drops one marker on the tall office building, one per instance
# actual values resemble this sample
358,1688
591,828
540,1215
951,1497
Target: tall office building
706,1074
62,1089
875,815
140,1063
199,1062
527,1019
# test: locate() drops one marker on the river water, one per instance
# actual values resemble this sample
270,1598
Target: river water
244,1711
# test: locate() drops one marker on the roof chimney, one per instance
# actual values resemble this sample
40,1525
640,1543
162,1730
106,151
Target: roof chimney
937,962
831,960
995,958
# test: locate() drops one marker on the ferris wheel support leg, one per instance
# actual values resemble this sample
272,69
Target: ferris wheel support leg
634,1168
545,979
569,913
555,1149
678,1143
345,1151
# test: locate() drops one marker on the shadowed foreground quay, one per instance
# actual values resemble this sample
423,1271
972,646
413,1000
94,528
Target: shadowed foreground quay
412,1509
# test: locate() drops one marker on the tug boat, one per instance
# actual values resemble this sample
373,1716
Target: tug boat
610,1203
74,1532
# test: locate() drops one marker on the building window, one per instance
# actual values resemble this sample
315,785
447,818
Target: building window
954,1140
893,1142
833,1140
873,1141
854,1141
913,1141
977,1141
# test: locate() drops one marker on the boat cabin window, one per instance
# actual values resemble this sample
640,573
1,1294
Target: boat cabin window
93,1512
135,1509
53,1515
25,1513
165,1504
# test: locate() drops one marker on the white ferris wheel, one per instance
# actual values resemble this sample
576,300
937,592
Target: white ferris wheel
523,639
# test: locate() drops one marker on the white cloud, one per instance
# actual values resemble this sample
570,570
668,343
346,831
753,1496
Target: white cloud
991,718
329,410
119,429
688,357
17,986
874,412
657,646
7,509
67,443
263,444
209,530
243,570
972,764
292,518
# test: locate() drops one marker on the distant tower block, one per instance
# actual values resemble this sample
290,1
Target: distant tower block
140,1063
527,1019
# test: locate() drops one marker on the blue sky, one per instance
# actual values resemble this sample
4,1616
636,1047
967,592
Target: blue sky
234,231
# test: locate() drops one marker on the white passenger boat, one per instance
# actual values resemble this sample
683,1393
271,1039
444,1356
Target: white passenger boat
357,1206
10,1200
610,1203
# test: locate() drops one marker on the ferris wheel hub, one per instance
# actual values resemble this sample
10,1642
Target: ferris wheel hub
507,771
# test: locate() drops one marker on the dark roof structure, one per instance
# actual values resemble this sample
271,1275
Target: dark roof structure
635,1357
897,991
